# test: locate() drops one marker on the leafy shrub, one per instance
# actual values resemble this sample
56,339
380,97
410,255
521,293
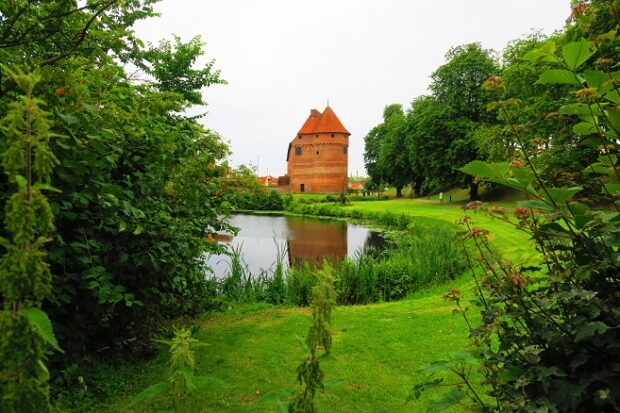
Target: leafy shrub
548,339
25,278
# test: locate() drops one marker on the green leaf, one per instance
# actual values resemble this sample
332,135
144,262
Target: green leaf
590,329
41,322
139,230
597,168
69,119
596,79
302,343
584,128
561,195
435,367
613,115
576,53
611,188
544,54
46,187
420,388
613,97
448,400
512,373
580,109
21,181
558,76
122,226
149,393
483,169
536,204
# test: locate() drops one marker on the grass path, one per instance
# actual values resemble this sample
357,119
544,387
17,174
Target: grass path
377,348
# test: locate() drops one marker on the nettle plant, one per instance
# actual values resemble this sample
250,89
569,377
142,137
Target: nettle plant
25,278
549,339
309,373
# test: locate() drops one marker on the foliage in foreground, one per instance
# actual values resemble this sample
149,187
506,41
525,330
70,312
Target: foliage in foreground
181,380
549,335
309,373
138,178
25,278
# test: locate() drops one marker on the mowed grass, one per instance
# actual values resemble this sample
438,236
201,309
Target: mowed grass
512,243
377,348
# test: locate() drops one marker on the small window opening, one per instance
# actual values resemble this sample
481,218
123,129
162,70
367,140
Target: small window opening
302,188
332,135
317,152
297,150
344,149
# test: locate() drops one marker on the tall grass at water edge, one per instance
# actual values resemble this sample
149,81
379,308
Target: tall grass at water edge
423,253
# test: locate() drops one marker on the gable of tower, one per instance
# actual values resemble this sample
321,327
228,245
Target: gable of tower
317,157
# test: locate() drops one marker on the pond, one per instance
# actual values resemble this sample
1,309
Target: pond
297,239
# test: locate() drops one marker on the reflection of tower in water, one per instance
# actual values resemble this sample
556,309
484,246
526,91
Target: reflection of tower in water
314,241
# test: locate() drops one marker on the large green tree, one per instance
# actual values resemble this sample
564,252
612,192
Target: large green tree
457,86
429,133
139,179
386,152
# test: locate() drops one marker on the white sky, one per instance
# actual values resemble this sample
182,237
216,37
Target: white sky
285,57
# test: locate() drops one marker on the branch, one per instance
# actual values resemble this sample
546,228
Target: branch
81,37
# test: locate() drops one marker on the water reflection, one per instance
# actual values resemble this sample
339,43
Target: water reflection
302,239
315,240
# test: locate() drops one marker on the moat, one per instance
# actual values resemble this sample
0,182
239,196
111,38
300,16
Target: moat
297,239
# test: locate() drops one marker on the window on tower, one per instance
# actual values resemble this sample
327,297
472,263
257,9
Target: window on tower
345,148
297,150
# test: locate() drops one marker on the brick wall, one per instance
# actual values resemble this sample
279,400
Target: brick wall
322,166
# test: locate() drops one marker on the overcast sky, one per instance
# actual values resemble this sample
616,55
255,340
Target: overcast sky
282,58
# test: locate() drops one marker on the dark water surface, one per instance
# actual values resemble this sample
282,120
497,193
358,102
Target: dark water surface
300,239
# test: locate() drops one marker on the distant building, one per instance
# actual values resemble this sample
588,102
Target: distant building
317,158
268,180
358,186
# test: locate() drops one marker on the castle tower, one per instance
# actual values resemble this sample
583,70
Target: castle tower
317,157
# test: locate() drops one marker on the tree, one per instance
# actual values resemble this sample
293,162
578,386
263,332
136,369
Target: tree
386,153
139,179
172,67
429,131
457,85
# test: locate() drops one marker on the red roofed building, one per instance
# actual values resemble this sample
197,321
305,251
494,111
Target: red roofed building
317,158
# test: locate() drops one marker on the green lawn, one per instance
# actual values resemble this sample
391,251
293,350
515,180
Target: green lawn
377,348
504,237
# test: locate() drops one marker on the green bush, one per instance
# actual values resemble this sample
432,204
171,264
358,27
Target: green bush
299,283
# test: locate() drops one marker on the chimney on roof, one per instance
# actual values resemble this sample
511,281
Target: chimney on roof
315,113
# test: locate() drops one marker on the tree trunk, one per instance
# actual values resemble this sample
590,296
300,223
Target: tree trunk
473,191
399,191
417,189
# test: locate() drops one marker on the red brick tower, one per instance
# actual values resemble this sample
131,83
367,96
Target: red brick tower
317,157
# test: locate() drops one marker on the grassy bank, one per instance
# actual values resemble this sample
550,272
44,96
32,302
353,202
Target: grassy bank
377,350
254,350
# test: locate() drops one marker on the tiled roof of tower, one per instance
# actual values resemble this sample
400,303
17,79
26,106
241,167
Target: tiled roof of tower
308,126
326,122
